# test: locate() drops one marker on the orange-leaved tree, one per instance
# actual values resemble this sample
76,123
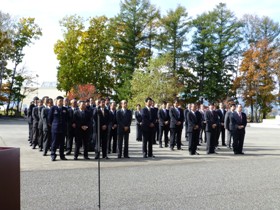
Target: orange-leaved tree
256,82
83,92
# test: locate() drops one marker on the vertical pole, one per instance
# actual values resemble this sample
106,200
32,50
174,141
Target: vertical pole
98,153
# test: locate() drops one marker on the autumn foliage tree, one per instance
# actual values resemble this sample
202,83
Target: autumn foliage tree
256,81
83,92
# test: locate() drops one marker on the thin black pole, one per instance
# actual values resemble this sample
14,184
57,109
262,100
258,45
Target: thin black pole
98,153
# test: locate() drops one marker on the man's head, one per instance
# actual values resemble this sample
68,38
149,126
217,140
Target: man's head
102,102
148,102
82,105
239,108
221,105
138,107
232,107
163,105
59,101
193,107
124,104
113,106
176,103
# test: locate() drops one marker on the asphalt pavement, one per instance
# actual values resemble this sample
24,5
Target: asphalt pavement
173,180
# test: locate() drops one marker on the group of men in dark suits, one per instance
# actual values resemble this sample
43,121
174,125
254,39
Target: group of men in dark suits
89,123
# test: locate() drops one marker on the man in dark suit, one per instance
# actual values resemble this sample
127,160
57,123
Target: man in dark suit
35,128
211,119
47,137
203,124
176,125
138,119
124,117
194,123
40,125
57,119
112,129
239,123
188,108
70,129
101,113
228,124
164,124
221,113
148,126
81,123
30,119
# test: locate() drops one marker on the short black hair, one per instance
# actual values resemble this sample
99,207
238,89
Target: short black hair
148,99
59,97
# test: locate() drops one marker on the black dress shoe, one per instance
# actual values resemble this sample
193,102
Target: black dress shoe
166,145
75,158
63,158
44,154
198,144
86,158
126,157
145,156
180,149
160,146
119,157
105,158
53,158
68,153
242,153
196,153
96,157
224,145
171,149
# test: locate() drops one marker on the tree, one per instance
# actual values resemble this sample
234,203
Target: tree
172,39
83,92
67,52
256,82
129,52
215,51
154,82
95,50
26,30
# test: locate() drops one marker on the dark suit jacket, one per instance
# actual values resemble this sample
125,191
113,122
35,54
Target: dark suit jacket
81,118
123,120
138,117
35,115
192,121
29,113
175,117
237,121
211,118
44,116
163,117
147,118
186,111
112,118
104,119
228,123
58,119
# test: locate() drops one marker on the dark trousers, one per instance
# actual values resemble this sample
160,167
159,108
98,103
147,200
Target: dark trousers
35,134
211,140
123,138
175,137
238,140
229,138
155,133
218,131
30,133
163,130
47,141
138,132
69,140
57,142
103,143
147,140
112,135
223,135
82,138
40,137
202,130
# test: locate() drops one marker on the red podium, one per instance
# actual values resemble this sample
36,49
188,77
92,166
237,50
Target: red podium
9,178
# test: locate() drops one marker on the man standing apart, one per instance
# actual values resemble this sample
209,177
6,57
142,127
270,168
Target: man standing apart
239,123
176,125
124,117
57,119
148,126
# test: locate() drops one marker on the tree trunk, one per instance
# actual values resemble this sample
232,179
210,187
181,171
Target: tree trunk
252,111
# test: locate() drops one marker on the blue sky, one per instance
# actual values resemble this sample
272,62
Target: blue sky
40,58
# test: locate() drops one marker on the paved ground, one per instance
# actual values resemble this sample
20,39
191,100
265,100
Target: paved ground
174,180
